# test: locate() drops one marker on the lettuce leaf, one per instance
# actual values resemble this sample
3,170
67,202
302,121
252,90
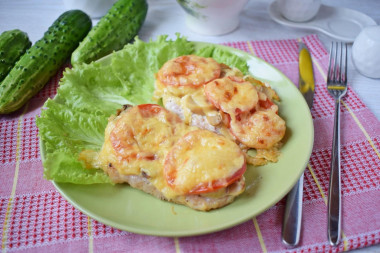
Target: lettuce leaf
65,132
89,93
222,55
137,63
92,88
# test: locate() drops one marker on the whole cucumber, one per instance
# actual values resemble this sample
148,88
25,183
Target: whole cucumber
13,44
43,59
115,29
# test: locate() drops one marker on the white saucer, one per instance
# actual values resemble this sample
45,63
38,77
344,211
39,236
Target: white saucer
340,23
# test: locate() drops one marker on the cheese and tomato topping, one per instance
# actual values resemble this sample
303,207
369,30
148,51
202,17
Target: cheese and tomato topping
141,136
202,161
177,159
239,107
189,70
260,130
185,74
231,94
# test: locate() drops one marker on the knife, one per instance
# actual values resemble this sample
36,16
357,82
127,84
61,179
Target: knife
291,227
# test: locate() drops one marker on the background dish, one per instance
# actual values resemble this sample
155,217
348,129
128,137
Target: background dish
129,209
339,23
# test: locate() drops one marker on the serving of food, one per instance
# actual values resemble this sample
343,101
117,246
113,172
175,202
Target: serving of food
151,149
195,151
200,125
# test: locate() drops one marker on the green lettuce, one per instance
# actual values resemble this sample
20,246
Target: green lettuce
224,56
89,93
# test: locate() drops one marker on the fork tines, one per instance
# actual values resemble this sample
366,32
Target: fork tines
337,72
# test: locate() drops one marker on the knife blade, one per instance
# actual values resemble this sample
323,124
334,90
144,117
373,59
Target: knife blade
306,74
292,220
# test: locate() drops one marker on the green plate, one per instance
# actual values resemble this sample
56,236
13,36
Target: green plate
132,210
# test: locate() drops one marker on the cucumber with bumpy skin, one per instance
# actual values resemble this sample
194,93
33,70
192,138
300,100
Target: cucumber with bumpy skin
115,29
13,44
43,59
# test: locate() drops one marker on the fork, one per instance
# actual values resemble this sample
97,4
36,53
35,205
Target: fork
337,87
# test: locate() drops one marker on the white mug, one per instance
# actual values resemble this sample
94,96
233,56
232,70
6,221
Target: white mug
212,17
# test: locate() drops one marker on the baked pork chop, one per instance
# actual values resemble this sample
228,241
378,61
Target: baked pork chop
151,149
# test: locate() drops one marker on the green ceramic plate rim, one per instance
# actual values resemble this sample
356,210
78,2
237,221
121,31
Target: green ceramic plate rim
234,213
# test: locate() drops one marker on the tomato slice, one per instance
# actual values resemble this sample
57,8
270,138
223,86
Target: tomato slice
266,104
132,132
150,110
202,161
231,95
189,70
261,129
206,187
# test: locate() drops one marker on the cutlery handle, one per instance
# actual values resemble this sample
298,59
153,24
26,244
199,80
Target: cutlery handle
291,227
334,199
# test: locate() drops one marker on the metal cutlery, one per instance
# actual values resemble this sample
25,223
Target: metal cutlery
337,87
291,227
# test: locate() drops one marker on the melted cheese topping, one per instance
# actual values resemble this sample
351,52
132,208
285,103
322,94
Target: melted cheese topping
140,137
202,156
138,141
162,90
261,130
232,95
221,101
188,70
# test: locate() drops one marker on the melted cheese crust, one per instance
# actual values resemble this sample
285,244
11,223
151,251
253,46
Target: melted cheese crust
139,139
217,106
188,70
261,130
202,156
232,95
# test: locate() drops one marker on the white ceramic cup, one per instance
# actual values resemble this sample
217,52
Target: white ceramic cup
212,17
366,52
93,8
299,10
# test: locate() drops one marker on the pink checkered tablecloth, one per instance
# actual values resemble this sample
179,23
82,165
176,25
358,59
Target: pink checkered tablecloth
35,217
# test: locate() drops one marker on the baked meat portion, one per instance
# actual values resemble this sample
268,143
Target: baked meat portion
151,149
